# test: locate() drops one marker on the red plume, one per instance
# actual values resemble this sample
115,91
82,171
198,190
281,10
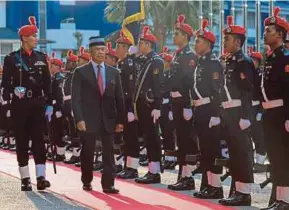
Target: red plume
108,45
146,29
181,19
165,49
32,20
81,50
205,23
69,53
250,50
276,11
230,20
53,55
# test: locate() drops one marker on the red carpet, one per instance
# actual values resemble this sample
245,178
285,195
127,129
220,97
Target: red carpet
132,196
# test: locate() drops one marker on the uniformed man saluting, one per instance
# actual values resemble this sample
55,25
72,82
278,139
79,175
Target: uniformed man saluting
26,77
275,89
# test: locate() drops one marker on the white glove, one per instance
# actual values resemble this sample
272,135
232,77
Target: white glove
8,113
225,152
49,112
130,117
287,125
176,94
187,114
20,92
259,117
171,118
244,124
214,121
133,50
156,115
58,114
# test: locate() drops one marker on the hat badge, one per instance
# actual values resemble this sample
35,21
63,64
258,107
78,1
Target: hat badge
229,29
201,32
272,20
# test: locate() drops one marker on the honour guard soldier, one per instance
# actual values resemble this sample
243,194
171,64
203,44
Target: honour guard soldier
166,119
287,41
237,109
110,56
83,57
183,65
275,101
128,69
26,77
57,101
147,101
206,101
257,129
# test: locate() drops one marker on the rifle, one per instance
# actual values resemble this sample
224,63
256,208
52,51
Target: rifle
51,145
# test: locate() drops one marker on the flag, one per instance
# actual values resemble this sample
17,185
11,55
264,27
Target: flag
134,13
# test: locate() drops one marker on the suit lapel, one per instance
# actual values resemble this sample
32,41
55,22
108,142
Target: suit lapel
108,77
90,75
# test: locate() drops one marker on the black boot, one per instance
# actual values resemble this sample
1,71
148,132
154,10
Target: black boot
184,183
128,173
42,183
237,199
210,192
118,169
149,178
278,205
78,164
170,165
26,184
72,160
97,166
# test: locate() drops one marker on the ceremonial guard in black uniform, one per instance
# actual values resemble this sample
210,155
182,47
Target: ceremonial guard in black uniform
275,101
206,102
257,129
26,77
71,63
183,65
127,67
237,110
147,101
83,57
110,56
166,119
57,130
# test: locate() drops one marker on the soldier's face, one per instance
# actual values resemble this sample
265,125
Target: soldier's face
287,45
271,35
109,60
143,46
70,65
98,53
81,61
179,37
230,43
201,46
54,68
30,41
167,65
121,50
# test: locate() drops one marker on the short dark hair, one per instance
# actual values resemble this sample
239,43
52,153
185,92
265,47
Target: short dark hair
242,39
281,30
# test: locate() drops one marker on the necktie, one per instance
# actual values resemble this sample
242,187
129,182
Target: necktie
100,79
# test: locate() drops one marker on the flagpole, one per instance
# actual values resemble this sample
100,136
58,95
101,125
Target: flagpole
245,21
221,26
258,25
201,13
233,9
211,14
271,5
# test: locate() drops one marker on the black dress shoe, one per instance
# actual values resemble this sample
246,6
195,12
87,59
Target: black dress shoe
42,183
169,165
128,173
237,199
149,178
78,164
97,166
72,160
185,183
111,190
12,148
278,205
87,187
210,192
26,184
118,168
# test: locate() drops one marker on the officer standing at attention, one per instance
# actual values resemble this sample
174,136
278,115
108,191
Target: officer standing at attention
26,77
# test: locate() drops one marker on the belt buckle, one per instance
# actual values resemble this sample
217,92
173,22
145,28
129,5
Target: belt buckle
29,94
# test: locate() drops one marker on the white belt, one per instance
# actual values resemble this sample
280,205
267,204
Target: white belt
273,104
255,103
4,102
201,101
176,94
54,102
166,101
65,98
231,104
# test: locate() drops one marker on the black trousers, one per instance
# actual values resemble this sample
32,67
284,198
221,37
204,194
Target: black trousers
57,130
167,129
130,136
87,158
186,144
150,131
28,123
72,131
209,138
257,133
277,144
239,146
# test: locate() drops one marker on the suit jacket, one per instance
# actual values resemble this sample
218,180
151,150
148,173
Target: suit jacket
100,113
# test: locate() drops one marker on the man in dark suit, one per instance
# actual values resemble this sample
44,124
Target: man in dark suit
98,108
